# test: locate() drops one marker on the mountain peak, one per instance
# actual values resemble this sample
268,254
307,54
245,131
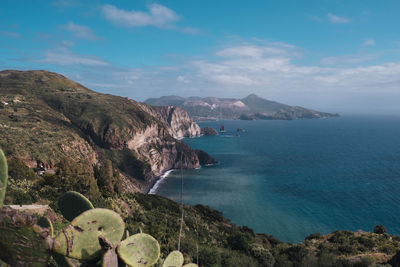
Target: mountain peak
252,96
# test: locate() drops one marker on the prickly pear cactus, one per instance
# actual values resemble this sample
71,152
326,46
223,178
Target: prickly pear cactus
22,241
80,239
139,250
44,222
190,265
110,259
174,259
63,261
3,177
72,204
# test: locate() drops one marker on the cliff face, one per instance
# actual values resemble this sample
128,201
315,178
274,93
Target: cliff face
180,124
47,117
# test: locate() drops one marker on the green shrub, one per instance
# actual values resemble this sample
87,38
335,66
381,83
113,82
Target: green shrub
19,171
313,236
239,241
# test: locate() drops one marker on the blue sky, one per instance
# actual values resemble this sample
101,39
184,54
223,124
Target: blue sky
332,55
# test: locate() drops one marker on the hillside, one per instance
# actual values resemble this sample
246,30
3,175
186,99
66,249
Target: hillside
249,108
60,136
45,118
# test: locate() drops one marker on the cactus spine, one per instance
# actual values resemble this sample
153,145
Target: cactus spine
3,177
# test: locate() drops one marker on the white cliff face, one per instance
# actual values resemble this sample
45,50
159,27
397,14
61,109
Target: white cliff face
150,145
181,124
178,120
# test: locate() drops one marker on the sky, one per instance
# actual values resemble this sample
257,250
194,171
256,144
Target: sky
331,55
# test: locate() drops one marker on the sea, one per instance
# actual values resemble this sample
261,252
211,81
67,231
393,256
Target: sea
293,178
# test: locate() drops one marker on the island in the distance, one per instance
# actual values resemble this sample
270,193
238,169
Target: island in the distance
251,107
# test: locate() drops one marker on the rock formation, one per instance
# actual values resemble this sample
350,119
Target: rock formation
208,131
55,118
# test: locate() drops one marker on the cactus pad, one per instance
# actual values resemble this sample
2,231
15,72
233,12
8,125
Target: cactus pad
63,261
80,239
23,242
174,259
139,250
3,177
44,222
72,204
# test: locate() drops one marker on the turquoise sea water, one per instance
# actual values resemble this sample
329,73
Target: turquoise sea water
294,178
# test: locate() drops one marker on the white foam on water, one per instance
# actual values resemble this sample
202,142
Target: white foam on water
153,190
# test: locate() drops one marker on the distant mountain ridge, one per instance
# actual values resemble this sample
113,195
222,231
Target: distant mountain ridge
249,108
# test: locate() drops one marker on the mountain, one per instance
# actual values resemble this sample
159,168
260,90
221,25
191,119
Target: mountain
249,108
45,117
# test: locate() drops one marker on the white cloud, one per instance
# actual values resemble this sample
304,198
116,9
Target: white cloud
182,79
81,31
65,3
63,58
157,15
347,59
271,70
250,51
190,30
369,42
15,35
336,19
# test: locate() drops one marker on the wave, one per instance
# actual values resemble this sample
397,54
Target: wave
154,189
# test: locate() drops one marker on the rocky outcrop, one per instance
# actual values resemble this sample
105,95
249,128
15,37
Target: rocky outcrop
178,120
208,131
180,123
204,158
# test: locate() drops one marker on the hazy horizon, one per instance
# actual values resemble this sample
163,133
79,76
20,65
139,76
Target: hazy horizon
334,56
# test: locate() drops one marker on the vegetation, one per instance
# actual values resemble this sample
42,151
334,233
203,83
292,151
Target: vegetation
59,142
220,243
92,237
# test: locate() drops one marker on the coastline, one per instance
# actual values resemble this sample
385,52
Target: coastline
158,182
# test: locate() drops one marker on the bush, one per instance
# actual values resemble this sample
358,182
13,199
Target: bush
237,259
209,256
239,241
313,236
366,261
379,229
263,255
19,171
108,180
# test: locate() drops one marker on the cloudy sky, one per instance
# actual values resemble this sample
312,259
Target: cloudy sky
332,55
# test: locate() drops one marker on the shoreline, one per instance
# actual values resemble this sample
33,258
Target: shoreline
159,181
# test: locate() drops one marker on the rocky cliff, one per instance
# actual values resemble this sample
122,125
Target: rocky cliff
180,124
45,117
